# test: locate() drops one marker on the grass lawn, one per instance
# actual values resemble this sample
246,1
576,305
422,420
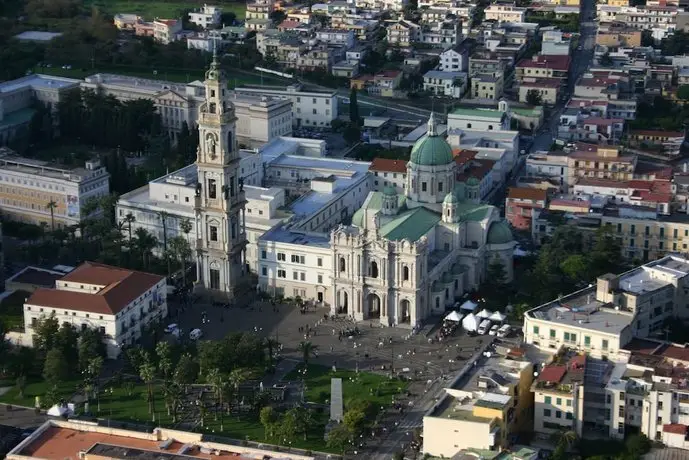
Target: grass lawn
366,386
150,10
38,388
12,310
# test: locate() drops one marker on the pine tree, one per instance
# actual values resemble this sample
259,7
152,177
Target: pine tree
353,107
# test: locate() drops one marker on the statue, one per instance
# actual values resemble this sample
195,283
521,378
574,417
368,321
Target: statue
198,189
210,144
241,184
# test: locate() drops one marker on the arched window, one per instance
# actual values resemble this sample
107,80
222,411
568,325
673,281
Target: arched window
373,271
437,302
468,125
405,273
342,264
229,141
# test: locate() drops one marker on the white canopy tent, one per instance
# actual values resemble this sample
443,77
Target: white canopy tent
497,317
469,306
60,411
453,316
470,322
484,314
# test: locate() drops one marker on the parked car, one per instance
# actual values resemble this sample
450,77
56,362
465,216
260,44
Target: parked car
484,327
504,330
494,330
171,327
196,334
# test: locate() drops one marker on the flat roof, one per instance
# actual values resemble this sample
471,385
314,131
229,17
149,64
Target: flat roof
38,81
281,234
36,276
37,35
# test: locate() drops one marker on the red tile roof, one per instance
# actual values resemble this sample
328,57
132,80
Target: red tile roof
650,132
552,374
119,288
463,155
289,24
388,74
386,165
675,428
546,62
542,83
523,193
678,353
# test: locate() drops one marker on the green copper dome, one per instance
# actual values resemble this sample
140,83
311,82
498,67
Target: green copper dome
450,198
472,182
499,233
389,191
358,218
431,149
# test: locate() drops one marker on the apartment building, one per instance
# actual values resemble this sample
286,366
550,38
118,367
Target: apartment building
455,59
600,162
116,301
543,66
126,21
505,13
260,117
547,89
403,33
486,404
166,31
600,320
336,37
549,166
520,205
309,108
207,16
259,9
441,34
18,96
28,186
488,86
388,173
450,84
91,441
215,39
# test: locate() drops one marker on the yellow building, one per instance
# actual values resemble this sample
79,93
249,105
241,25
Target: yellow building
602,163
28,186
616,3
490,403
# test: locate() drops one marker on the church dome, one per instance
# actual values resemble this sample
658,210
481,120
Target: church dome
450,198
499,233
431,149
358,218
472,181
389,191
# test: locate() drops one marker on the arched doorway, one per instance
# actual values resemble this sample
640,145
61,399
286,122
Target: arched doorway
342,302
373,306
405,312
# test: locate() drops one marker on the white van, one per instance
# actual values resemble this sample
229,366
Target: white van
195,334
494,329
484,327
504,330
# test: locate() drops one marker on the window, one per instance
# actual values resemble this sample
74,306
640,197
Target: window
662,232
604,344
535,330
552,333
587,341
264,271
213,233
320,279
558,401
281,256
212,189
569,403
548,400
342,264
568,415
546,412
282,274
570,337
295,276
373,270
405,273
302,276
297,259
440,186
320,261
558,414
263,254
632,229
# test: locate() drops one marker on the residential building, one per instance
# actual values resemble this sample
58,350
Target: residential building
116,301
166,31
455,59
28,186
441,34
317,58
601,319
386,83
600,162
309,108
505,13
555,43
647,138
543,66
214,39
381,5
126,21
144,29
487,86
17,98
390,230
207,16
548,165
388,173
259,9
479,65
477,118
520,204
260,117
547,89
485,405
339,37
403,33
345,69
475,169
450,84
62,438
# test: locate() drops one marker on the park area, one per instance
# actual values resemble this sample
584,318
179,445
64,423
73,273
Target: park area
12,310
150,10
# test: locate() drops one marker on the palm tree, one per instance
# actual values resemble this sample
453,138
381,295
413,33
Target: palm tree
181,250
147,372
107,203
163,218
271,345
129,220
51,207
146,243
307,349
236,378
219,383
185,225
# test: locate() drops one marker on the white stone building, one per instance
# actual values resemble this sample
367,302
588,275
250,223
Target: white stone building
116,301
455,59
404,257
206,16
450,84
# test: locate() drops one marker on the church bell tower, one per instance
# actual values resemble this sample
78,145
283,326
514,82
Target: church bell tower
219,205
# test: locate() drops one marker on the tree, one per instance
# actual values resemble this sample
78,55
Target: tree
353,107
354,419
277,16
129,219
55,367
576,268
683,92
606,60
20,383
352,134
180,248
147,373
339,438
164,215
271,346
145,243
287,427
533,97
186,371
637,445
67,340
236,378
51,207
219,383
90,346
268,418
45,333
307,349
164,354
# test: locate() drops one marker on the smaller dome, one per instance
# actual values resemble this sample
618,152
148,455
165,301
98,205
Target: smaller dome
389,191
499,233
472,182
450,198
358,218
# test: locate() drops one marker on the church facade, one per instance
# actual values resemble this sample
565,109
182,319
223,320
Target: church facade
404,257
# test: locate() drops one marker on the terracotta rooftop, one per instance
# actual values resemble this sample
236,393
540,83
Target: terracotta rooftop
386,165
522,193
596,182
546,62
552,374
677,353
650,132
463,155
542,83
118,288
676,428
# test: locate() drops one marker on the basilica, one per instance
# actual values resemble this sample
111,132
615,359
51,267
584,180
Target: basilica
406,256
